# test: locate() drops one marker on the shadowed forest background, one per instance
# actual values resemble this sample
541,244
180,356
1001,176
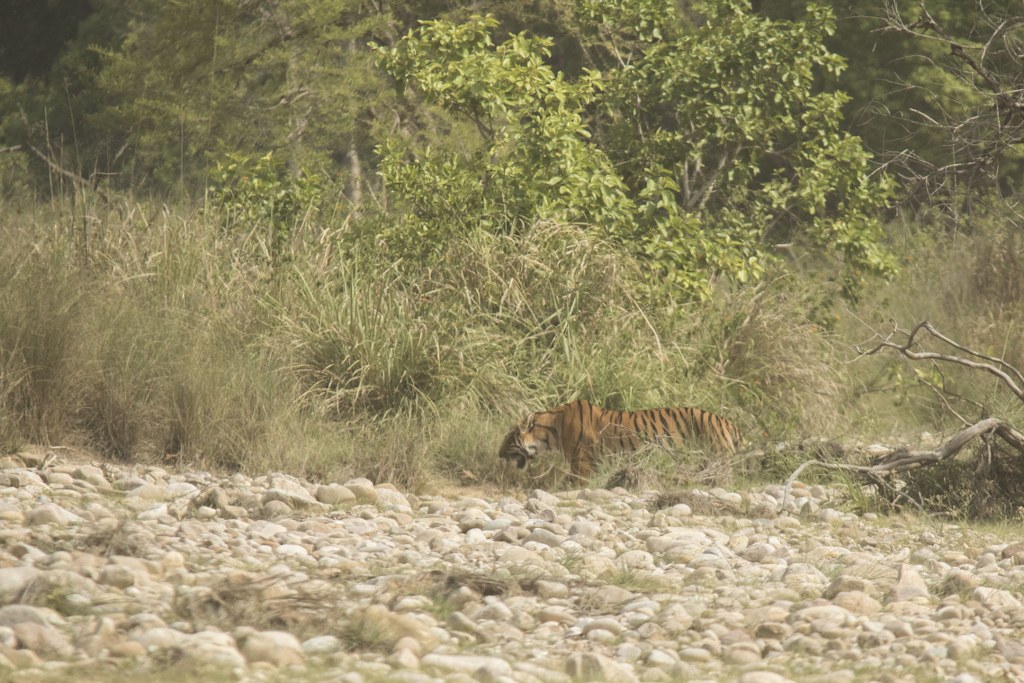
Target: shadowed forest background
362,238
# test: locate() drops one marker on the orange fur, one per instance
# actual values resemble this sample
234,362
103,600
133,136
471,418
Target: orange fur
582,430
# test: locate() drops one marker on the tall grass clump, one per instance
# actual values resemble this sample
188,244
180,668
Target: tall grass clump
458,349
138,342
38,313
163,333
775,357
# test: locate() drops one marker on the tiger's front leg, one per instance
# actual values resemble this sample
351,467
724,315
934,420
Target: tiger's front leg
582,459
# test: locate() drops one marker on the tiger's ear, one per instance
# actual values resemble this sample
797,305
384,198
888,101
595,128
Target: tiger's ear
530,421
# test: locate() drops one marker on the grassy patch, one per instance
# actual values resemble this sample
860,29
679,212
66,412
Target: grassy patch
169,336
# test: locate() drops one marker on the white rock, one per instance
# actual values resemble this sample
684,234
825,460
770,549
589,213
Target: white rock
363,490
592,666
468,664
291,550
763,677
14,580
909,586
388,496
335,494
996,598
161,638
279,648
51,513
321,645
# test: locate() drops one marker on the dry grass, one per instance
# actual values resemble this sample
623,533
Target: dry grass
166,336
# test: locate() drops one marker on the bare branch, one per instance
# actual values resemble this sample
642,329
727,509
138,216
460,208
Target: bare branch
979,134
994,366
71,175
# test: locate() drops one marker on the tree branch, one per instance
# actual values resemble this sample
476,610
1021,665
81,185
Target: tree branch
994,366
71,175
904,460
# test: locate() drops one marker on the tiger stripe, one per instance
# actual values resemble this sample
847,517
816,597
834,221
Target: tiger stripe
582,431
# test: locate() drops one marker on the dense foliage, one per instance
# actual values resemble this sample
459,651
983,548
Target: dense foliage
347,212
699,149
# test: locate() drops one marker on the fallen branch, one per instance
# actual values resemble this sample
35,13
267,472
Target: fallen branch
70,175
904,460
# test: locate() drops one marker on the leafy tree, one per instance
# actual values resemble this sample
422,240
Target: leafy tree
535,160
948,130
154,93
700,148
973,83
195,78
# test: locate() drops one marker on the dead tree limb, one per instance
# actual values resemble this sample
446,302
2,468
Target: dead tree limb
76,178
904,460
1010,376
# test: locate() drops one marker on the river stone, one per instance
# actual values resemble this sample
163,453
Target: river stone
127,649
160,638
605,624
537,672
18,614
845,583
363,490
117,576
545,537
92,474
635,559
996,598
551,589
592,666
279,648
19,479
909,586
742,653
608,596
403,659
390,627
695,654
275,508
469,664
211,648
335,494
150,491
19,658
388,495
958,581
857,602
763,677
51,513
776,630
63,479
321,645
556,614
833,613
757,552
289,492
44,640
13,580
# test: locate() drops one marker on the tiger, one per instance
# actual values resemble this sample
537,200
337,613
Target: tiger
582,431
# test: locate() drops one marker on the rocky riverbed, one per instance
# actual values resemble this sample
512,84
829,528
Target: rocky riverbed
109,572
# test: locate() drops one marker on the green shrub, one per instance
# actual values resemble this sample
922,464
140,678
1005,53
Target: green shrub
159,335
259,195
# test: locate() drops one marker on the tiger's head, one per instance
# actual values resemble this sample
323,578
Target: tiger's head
535,434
